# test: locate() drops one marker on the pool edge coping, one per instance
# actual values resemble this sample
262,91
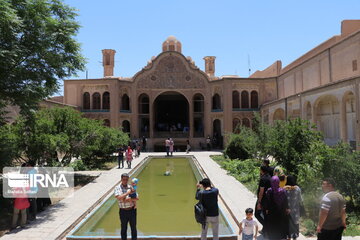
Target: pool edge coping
68,233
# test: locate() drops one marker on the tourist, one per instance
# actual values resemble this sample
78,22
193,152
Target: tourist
270,169
138,148
208,143
276,211
167,146
144,143
127,211
43,191
120,157
209,198
129,156
332,218
249,224
134,195
171,146
21,203
264,184
188,147
32,210
293,193
278,171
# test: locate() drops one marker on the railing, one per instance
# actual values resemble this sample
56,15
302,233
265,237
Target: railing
95,110
172,134
246,109
125,111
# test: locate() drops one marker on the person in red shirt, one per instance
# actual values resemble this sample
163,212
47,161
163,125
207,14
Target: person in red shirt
21,203
129,156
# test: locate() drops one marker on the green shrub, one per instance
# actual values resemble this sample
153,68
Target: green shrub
309,227
243,145
353,225
78,165
245,171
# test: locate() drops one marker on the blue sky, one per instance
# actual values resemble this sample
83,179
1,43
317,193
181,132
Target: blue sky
230,30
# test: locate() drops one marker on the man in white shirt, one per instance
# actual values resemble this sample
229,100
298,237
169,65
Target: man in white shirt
127,211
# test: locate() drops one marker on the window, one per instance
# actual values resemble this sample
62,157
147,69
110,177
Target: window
246,122
235,99
244,99
236,123
143,104
254,99
86,100
125,102
96,100
198,103
216,102
106,100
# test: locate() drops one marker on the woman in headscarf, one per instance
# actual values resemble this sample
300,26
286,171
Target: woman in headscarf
276,211
278,171
293,193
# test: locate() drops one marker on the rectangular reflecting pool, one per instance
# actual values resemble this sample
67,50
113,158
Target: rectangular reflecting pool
165,208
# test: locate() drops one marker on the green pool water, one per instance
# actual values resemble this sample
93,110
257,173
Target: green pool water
166,205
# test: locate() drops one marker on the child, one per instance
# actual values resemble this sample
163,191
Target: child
133,195
249,224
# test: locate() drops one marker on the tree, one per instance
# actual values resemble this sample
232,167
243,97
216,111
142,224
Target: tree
37,47
58,135
290,141
8,146
242,145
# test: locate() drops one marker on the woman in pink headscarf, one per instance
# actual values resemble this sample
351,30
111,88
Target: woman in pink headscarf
276,211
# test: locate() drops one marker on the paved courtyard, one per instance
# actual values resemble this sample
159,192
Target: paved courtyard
57,219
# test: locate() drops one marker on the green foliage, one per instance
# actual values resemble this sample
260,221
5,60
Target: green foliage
242,145
298,147
289,142
8,146
310,227
343,166
37,48
353,225
58,135
246,171
78,165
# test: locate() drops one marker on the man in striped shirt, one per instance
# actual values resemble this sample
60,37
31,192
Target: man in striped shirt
127,211
332,219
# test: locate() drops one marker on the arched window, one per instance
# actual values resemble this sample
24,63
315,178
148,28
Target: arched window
125,102
198,100
246,122
96,100
106,122
236,123
86,100
126,126
235,99
254,99
106,100
244,99
216,101
143,104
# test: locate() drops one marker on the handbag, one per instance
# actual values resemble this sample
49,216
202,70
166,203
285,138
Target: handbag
200,212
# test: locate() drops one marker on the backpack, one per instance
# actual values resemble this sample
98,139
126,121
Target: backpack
200,212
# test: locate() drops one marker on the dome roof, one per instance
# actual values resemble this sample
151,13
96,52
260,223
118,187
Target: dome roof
171,38
171,44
